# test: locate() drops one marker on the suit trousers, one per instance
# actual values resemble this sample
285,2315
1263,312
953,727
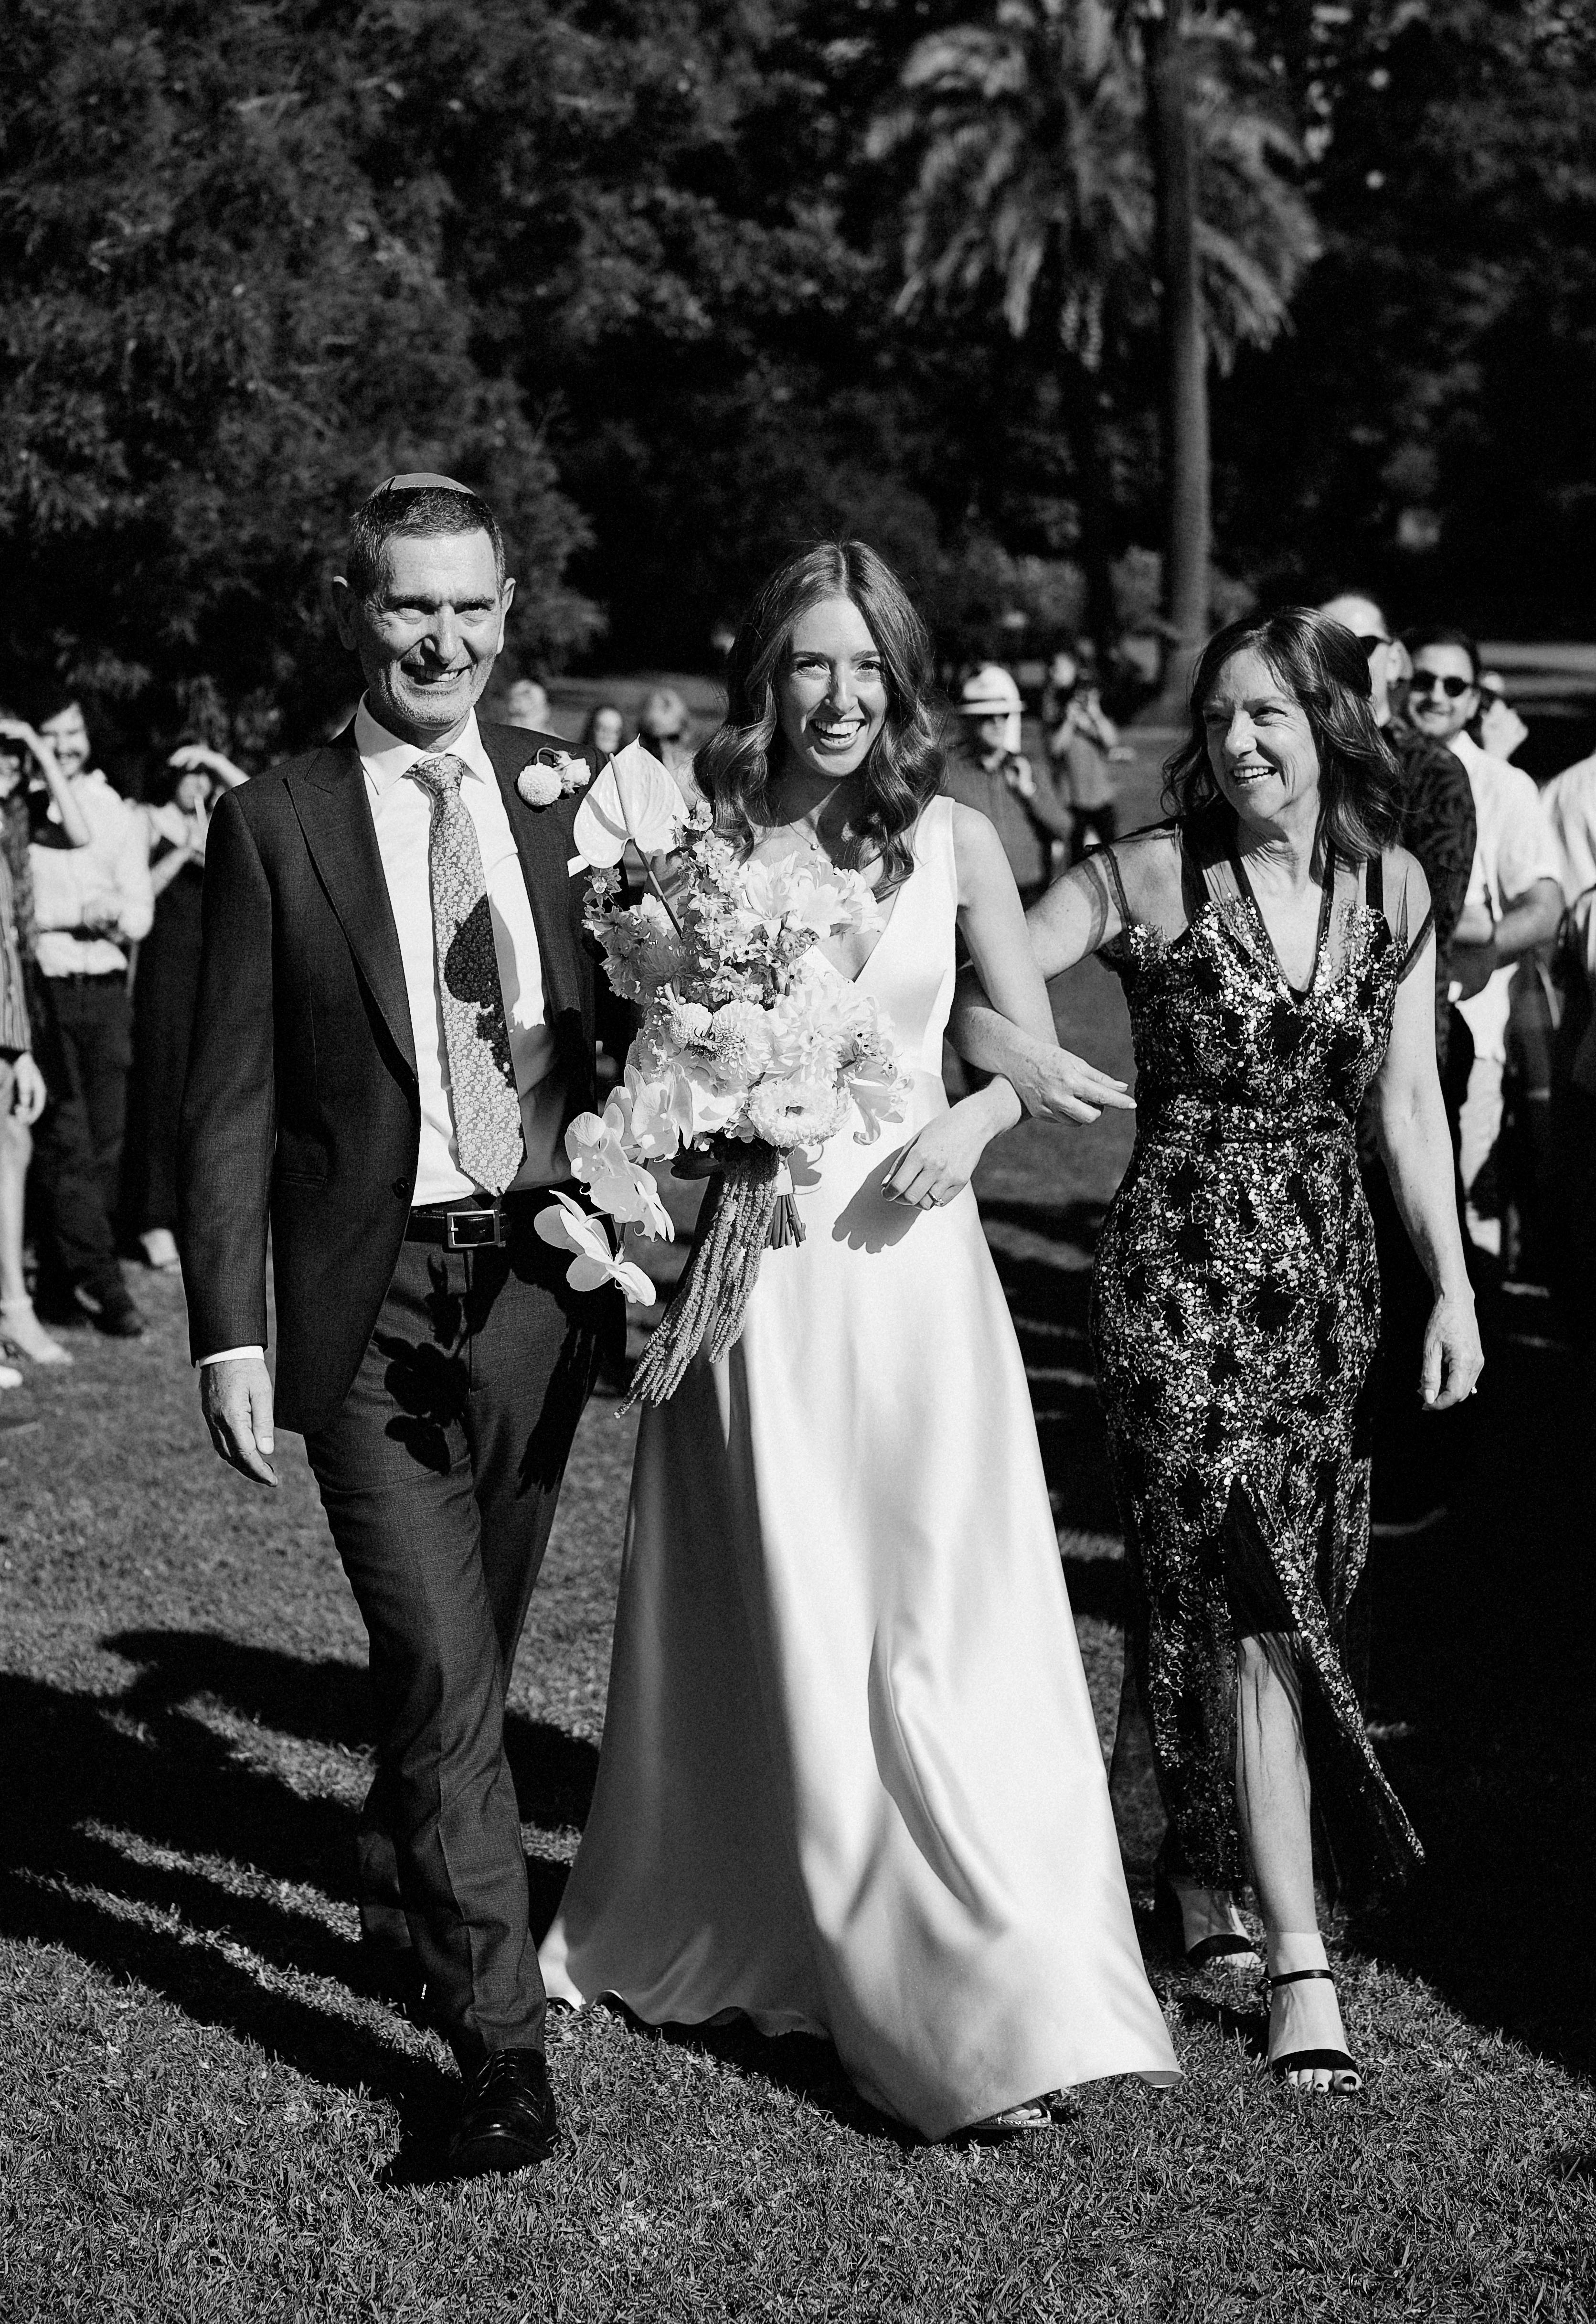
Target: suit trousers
85,1048
440,1475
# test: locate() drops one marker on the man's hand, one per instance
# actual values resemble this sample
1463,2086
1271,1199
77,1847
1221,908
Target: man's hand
1470,968
28,1091
236,1398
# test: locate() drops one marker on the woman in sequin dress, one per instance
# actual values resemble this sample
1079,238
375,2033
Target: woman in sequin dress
1268,940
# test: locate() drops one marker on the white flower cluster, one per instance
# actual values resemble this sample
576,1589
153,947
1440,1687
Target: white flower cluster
747,1032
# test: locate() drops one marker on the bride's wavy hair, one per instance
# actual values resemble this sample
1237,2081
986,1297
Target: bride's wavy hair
1323,666
738,767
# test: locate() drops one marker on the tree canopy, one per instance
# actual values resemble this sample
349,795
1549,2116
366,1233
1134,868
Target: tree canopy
657,275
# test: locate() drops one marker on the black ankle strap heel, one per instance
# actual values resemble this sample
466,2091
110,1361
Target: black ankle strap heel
1331,2062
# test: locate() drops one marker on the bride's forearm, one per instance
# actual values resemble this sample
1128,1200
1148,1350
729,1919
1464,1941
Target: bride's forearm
982,1035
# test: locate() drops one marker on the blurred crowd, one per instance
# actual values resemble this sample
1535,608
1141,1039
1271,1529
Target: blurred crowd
100,934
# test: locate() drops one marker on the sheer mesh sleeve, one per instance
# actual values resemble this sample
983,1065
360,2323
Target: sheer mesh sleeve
1409,913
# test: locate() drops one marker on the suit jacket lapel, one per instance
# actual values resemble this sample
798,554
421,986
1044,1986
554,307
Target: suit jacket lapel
334,814
542,837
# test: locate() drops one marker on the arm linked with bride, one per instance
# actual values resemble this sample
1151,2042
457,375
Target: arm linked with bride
1005,986
1075,918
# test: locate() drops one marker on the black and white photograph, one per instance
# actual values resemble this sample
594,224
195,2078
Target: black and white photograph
798,1161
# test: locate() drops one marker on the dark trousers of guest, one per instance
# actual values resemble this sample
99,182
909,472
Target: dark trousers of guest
85,1045
440,1475
1092,826
1414,1452
164,1001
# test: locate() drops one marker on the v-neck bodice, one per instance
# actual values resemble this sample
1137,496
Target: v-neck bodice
1218,1028
911,969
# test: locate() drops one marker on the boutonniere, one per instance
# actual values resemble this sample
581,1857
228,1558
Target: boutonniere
552,775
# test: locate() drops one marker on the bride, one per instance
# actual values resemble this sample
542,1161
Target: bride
851,1782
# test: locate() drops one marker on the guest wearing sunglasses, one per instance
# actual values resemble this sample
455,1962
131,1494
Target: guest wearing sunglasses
1407,1486
1513,902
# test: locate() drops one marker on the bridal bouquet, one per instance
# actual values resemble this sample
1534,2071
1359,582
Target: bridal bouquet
750,1047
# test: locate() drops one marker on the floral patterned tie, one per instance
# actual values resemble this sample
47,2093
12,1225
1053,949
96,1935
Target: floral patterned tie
476,1032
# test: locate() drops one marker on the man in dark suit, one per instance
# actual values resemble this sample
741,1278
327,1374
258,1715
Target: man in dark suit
395,1026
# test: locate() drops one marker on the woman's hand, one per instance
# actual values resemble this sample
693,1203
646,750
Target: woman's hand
940,1161
1453,1356
1056,1085
28,1091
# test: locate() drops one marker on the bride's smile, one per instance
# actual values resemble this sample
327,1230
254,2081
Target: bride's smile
831,698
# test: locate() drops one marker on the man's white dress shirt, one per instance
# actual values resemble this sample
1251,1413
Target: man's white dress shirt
1569,801
112,872
401,809
1513,848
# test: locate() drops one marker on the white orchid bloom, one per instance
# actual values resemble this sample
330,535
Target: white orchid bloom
572,1229
632,801
599,1147
657,1126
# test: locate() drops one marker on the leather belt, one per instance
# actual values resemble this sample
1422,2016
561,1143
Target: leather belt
475,1225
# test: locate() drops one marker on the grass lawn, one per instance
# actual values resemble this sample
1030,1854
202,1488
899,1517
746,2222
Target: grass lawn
207,2117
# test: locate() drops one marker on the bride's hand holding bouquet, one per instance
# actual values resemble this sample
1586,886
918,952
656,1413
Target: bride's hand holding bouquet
749,1047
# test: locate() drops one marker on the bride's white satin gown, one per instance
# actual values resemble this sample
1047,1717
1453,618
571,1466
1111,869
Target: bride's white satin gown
851,1782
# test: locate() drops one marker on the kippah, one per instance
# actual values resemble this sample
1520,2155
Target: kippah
420,481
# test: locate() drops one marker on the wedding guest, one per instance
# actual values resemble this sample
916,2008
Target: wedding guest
1411,1467
92,905
665,725
603,732
168,988
992,774
526,703
1570,802
24,754
1275,943
1082,740
1498,728
1573,1141
1513,902
395,1028
22,1085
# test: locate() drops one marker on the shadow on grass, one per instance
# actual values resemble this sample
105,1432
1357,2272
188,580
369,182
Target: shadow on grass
150,1847
803,2064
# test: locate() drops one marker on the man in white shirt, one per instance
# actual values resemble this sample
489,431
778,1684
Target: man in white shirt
395,1028
91,905
1569,801
1514,899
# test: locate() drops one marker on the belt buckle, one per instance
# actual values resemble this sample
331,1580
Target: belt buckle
454,1220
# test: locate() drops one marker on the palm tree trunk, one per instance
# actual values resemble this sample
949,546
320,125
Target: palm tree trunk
1188,519
1094,502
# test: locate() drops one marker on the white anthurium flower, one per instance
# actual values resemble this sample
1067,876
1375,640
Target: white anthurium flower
632,802
594,1264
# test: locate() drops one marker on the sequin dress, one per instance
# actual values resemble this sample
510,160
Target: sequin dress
1235,1311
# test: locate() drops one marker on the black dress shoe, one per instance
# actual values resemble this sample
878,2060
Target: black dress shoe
508,2122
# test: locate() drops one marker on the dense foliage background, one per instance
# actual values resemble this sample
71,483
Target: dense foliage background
676,281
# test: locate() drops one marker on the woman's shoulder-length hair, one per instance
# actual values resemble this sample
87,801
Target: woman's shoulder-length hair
1323,666
738,767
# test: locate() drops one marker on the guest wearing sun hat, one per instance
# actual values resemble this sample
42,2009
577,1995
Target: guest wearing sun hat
990,772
